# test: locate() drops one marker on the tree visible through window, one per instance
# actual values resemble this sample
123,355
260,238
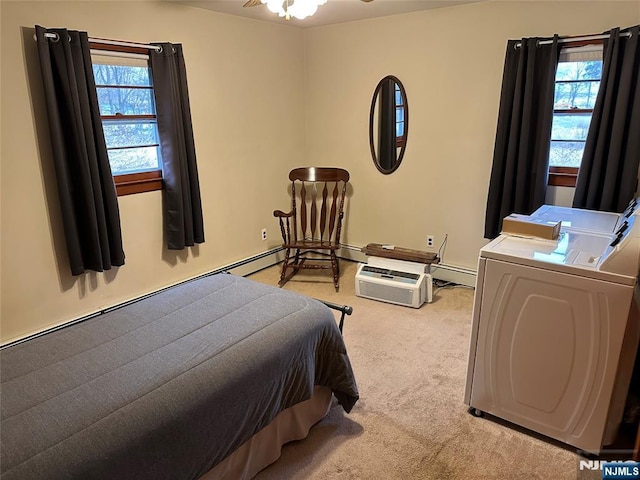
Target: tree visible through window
127,108
577,83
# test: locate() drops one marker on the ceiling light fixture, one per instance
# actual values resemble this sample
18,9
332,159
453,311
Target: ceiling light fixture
294,8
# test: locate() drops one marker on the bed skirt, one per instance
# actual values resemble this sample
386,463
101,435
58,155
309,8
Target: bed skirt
265,447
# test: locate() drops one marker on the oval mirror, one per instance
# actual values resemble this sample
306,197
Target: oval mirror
388,123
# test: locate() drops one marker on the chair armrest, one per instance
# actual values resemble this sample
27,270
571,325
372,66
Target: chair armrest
280,214
285,226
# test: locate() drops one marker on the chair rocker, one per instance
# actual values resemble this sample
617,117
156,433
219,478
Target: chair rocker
311,230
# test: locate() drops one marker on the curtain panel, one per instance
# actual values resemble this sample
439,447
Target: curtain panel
183,221
86,189
521,154
608,173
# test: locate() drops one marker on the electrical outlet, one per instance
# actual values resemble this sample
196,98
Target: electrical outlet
430,240
264,234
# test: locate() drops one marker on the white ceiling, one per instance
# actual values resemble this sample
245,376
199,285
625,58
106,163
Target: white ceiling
334,11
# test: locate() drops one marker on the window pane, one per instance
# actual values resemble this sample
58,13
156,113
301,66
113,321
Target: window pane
124,88
400,114
591,70
130,133
566,154
131,160
576,95
126,101
577,85
399,129
121,75
568,126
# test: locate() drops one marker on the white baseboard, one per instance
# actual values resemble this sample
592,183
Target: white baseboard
352,252
243,267
255,263
440,271
454,274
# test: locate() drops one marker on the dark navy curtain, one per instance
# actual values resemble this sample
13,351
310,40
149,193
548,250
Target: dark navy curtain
183,221
608,173
86,190
521,154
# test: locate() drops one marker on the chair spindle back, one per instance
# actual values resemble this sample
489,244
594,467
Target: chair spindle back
318,203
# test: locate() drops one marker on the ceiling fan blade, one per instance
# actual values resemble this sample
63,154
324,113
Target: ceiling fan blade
252,3
366,1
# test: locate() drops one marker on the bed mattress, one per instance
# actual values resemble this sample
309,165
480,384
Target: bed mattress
166,387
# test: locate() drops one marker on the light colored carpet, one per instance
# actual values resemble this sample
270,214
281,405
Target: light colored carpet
410,421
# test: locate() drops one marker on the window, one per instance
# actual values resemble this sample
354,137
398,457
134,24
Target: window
399,116
577,83
127,108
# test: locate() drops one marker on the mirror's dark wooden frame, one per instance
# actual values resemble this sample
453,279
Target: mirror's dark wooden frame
374,156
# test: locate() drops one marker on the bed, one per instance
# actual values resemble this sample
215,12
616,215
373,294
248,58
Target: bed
173,386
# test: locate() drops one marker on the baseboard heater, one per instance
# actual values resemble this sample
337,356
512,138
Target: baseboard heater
392,285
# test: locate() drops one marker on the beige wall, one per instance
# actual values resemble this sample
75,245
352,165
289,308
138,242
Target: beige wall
266,98
245,81
450,61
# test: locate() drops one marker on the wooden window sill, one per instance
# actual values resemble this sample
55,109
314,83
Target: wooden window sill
562,176
138,182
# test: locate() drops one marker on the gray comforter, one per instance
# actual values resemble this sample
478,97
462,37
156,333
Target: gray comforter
167,387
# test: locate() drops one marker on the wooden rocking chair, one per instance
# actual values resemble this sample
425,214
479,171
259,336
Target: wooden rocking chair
314,223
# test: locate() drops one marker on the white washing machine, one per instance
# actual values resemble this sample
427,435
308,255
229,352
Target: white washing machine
555,331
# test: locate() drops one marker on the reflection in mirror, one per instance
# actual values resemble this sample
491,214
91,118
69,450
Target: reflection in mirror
388,123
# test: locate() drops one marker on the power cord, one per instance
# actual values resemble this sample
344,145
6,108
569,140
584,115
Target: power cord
442,246
443,284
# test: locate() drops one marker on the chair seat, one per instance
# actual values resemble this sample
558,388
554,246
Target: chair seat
311,244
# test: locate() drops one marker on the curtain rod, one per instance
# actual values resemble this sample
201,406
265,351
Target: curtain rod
104,41
577,39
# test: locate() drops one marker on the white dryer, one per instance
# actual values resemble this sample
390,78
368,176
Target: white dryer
555,331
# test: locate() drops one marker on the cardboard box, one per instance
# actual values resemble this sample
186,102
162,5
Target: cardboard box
525,226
